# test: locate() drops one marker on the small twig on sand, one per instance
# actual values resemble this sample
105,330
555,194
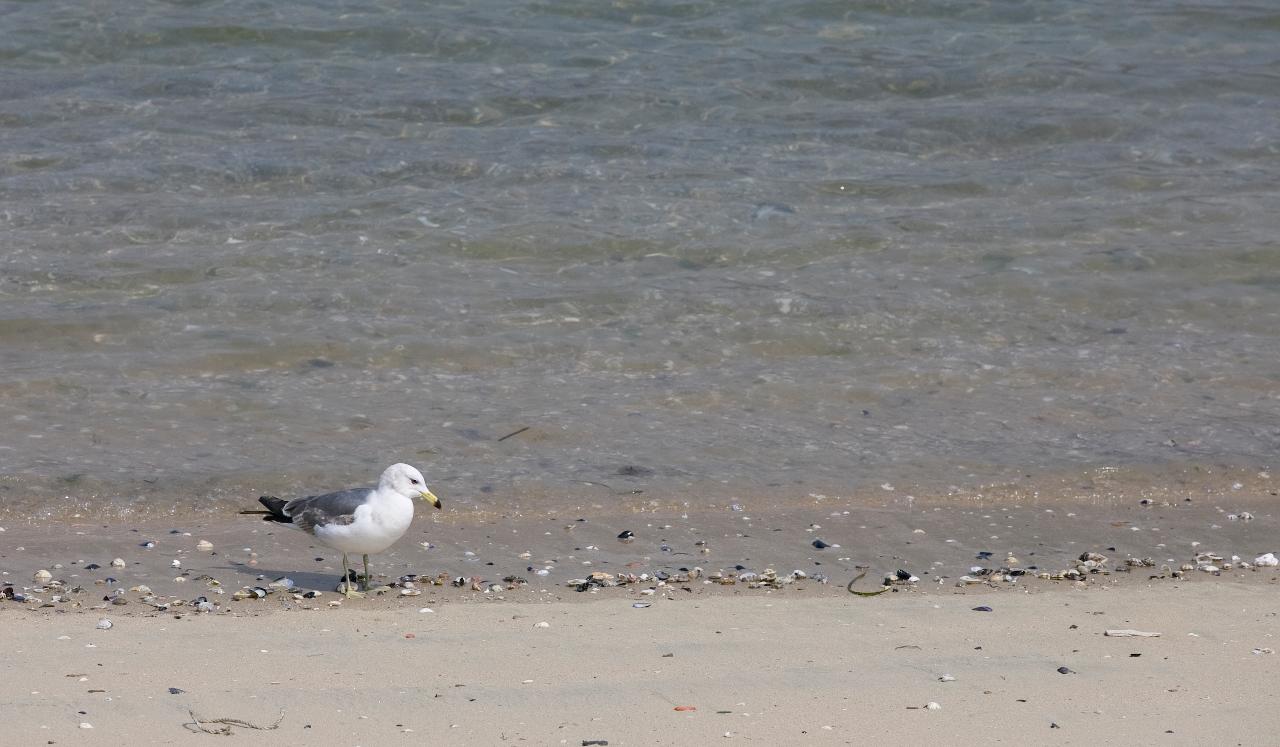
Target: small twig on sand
515,433
199,724
858,578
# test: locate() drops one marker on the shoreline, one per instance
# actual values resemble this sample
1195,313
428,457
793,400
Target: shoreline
814,549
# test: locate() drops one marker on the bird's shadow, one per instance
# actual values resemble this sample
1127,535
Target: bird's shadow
326,581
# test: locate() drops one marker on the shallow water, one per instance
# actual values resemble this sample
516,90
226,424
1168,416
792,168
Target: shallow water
697,248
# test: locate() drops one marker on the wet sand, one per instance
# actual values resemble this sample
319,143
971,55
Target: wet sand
540,551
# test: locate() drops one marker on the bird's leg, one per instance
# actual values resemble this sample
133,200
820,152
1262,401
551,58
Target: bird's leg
346,577
367,581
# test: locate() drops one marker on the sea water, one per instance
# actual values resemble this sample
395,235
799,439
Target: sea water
691,248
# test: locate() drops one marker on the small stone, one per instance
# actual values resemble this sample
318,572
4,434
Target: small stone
175,563
1065,670
933,706
86,725
104,624
946,678
543,624
42,577
204,545
983,608
176,691
117,563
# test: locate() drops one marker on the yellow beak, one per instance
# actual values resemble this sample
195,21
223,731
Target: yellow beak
430,497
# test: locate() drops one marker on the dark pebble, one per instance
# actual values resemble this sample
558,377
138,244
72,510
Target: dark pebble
627,535
904,575
1052,725
820,544
590,742
1064,670
984,555
983,608
92,567
176,691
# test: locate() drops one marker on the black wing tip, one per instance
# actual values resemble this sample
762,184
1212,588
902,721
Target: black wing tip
275,507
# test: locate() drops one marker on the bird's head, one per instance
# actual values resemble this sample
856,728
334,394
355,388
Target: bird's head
408,481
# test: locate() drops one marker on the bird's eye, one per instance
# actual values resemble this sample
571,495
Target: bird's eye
415,482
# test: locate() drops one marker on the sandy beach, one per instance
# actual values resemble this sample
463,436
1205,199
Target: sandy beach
765,668
734,615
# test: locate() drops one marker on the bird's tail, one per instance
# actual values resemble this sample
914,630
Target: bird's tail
275,509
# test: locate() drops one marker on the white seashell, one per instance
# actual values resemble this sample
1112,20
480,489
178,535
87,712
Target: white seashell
204,545
117,563
175,563
104,624
1268,560
42,576
933,706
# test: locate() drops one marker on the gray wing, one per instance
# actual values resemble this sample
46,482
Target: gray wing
330,508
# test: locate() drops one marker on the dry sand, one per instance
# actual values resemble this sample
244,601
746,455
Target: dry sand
767,668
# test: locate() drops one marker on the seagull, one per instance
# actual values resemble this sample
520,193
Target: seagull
363,520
